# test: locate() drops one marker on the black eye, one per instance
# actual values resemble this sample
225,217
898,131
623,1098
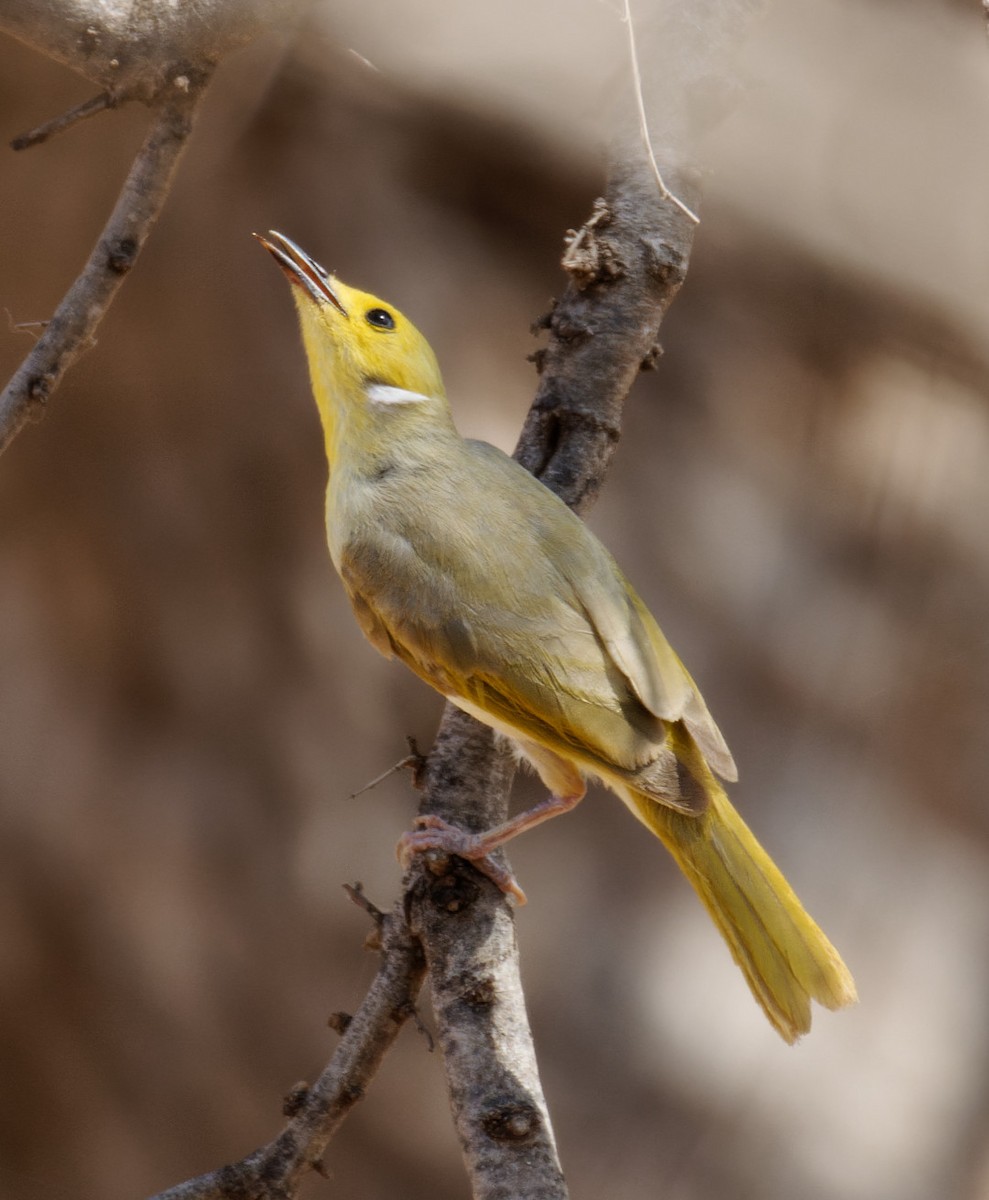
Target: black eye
380,318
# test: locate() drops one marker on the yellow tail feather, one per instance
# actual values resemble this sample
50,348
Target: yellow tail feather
785,957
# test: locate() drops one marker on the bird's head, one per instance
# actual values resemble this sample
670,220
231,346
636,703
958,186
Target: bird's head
367,361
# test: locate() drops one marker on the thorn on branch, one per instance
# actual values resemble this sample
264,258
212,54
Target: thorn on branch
89,108
297,1095
543,322
538,326
339,1022
570,331
538,358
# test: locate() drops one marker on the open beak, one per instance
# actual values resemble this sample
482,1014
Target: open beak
300,269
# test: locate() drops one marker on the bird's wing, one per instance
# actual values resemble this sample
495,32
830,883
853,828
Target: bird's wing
647,660
523,654
633,639
520,610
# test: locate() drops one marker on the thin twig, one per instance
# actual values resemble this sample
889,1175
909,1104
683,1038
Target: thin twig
27,327
88,108
664,191
277,1169
71,328
356,892
409,760
365,62
414,761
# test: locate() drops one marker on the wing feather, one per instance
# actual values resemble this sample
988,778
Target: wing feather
549,639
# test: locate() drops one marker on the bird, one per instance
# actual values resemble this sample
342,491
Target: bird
461,564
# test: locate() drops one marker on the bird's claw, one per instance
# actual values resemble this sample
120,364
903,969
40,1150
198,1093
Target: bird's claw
433,833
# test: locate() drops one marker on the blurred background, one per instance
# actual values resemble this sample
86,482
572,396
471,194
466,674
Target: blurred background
801,495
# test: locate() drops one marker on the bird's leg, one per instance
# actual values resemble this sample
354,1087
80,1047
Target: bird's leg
433,833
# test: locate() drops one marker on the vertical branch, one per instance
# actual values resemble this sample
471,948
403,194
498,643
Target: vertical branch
467,931
626,265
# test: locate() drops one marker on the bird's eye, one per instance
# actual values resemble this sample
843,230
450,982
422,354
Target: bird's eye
380,318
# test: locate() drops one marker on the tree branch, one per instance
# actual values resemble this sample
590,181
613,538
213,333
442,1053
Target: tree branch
626,266
81,112
468,933
71,329
133,50
163,54
274,1171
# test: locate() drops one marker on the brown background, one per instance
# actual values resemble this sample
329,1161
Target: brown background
801,495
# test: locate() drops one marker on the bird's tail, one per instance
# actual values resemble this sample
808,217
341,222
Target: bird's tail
785,957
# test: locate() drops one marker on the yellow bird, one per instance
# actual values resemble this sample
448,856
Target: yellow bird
463,565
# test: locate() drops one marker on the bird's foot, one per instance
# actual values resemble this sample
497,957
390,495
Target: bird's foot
433,833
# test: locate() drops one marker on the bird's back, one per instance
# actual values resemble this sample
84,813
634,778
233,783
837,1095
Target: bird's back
465,566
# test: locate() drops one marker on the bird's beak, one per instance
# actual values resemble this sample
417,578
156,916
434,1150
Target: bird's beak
300,269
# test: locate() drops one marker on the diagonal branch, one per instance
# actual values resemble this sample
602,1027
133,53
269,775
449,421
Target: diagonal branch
163,55
70,331
81,112
275,1171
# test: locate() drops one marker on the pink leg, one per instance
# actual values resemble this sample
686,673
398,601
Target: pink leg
433,833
